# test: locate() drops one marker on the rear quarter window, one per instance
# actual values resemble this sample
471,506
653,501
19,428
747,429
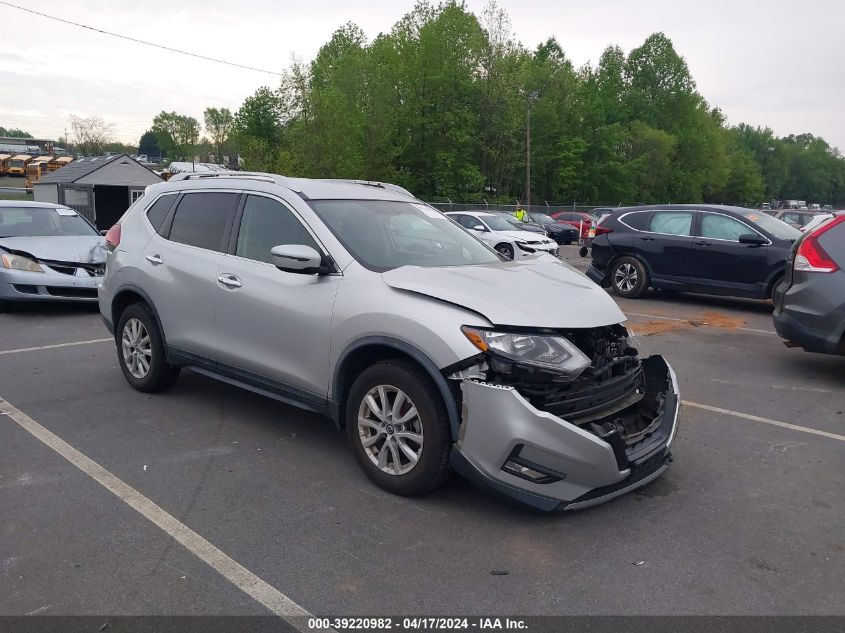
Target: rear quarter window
202,219
158,210
638,220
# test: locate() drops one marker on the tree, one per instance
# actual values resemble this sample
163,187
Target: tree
91,134
148,145
260,115
14,133
218,123
177,134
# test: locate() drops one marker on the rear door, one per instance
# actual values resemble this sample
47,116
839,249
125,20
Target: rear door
666,245
178,269
273,325
720,264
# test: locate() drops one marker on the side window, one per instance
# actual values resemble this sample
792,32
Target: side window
638,221
467,221
671,222
721,227
158,211
201,219
265,224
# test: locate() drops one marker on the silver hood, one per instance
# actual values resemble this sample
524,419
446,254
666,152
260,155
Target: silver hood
78,249
534,294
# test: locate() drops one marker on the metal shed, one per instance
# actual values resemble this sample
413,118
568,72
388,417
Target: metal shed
101,188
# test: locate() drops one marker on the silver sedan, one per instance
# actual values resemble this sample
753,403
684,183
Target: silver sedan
48,252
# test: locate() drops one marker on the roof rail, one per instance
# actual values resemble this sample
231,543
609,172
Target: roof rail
249,175
374,183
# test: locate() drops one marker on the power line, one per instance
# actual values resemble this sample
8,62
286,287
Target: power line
137,41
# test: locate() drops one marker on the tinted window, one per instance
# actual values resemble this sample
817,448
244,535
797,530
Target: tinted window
267,223
671,222
773,226
157,212
638,221
201,219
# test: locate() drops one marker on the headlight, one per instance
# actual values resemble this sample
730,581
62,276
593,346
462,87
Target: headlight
19,262
552,353
524,247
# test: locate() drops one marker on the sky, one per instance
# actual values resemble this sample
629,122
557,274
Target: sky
779,63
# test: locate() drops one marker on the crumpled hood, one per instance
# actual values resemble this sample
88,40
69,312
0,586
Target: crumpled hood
537,294
78,249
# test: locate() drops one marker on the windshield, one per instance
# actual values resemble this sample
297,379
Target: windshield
773,226
383,235
541,218
498,223
42,221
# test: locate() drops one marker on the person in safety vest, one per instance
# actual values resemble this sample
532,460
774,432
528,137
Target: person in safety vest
520,214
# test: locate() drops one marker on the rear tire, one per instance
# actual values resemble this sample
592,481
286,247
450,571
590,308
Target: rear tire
140,351
777,282
505,250
398,428
5,306
628,277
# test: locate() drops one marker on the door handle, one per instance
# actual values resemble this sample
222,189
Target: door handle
645,238
230,281
703,243
155,260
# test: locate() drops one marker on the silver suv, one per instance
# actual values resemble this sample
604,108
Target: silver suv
356,300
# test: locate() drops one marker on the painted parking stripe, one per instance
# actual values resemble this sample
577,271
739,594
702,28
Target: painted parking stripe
665,318
234,572
56,346
757,418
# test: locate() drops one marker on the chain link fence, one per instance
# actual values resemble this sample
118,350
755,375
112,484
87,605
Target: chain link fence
547,208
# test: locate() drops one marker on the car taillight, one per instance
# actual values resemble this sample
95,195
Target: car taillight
601,230
811,257
113,237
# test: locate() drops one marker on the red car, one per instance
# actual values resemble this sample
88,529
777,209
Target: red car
576,219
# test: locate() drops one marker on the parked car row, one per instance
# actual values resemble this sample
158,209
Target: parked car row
509,239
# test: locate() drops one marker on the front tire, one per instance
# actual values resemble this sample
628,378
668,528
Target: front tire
140,351
506,250
628,277
398,428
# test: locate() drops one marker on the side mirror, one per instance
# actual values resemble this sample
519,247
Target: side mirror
479,227
297,258
752,238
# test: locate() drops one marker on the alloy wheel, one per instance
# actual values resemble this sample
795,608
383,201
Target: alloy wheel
137,348
625,277
390,430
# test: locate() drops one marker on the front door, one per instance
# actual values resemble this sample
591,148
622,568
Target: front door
720,264
273,325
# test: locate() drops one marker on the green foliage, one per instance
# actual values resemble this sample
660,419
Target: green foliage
440,105
218,123
148,144
13,132
177,134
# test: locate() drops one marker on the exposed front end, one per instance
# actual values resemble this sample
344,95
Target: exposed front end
560,442
52,281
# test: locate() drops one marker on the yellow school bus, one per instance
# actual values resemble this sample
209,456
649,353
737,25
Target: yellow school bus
61,161
17,164
35,170
4,162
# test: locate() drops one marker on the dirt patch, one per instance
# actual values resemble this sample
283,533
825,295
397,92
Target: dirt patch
710,319
649,328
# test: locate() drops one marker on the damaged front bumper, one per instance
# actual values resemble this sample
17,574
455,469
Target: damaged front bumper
542,460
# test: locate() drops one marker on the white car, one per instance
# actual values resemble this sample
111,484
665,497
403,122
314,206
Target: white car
503,236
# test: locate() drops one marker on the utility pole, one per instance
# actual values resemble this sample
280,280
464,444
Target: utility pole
531,97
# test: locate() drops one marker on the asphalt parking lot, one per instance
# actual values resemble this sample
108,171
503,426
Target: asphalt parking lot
750,519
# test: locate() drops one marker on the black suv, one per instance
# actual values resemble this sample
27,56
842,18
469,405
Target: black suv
697,248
